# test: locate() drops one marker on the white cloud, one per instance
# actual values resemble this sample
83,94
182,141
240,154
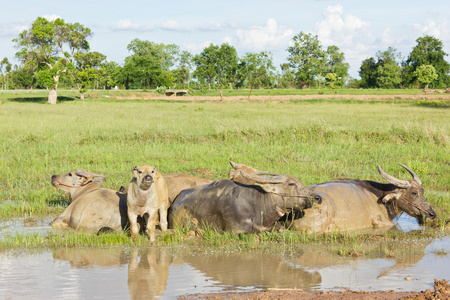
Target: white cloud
266,37
13,29
170,25
126,24
196,48
173,25
340,30
228,39
52,17
437,29
386,37
215,26
350,33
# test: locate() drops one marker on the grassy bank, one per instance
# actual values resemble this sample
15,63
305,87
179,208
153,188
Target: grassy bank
313,140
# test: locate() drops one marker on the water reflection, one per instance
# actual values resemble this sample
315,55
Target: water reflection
162,273
148,272
252,270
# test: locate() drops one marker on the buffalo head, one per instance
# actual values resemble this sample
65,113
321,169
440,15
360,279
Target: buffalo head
291,189
408,195
76,179
144,176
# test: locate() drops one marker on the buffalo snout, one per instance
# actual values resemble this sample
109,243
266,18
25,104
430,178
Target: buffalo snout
431,214
317,199
148,178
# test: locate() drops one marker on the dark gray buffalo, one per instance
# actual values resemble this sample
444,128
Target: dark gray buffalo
225,205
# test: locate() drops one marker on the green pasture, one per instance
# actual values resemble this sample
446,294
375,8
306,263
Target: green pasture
311,139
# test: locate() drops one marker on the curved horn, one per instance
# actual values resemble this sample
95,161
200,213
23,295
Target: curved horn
391,179
414,175
251,170
263,179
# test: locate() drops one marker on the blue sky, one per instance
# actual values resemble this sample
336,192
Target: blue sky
359,28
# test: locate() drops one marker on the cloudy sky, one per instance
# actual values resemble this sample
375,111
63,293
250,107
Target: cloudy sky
359,28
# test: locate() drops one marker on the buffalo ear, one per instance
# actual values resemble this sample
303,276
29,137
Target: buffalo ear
99,179
232,174
269,187
390,197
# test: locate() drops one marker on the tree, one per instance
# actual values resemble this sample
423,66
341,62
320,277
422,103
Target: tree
368,73
428,51
426,74
22,78
86,69
49,47
109,74
332,81
307,58
256,69
149,65
183,73
217,65
5,69
389,72
287,76
336,64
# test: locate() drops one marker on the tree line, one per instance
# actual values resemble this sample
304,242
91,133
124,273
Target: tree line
56,54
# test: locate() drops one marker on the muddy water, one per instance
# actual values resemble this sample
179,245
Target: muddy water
123,273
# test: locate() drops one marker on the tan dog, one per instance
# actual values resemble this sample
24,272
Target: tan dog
147,195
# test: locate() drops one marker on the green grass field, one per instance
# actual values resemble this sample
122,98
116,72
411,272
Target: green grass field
313,140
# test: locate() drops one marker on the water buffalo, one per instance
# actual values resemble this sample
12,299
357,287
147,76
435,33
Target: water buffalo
176,182
147,197
94,208
225,205
350,204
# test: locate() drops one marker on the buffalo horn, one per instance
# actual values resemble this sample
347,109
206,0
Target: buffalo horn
263,179
251,169
391,179
414,175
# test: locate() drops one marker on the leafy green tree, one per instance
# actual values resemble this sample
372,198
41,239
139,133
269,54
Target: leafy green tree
307,58
368,73
87,69
287,76
426,74
183,73
22,78
389,72
217,65
256,70
149,65
109,74
336,64
428,51
49,47
5,69
332,81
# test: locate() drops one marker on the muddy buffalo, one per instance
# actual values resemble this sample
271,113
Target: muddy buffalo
225,205
94,209
350,204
